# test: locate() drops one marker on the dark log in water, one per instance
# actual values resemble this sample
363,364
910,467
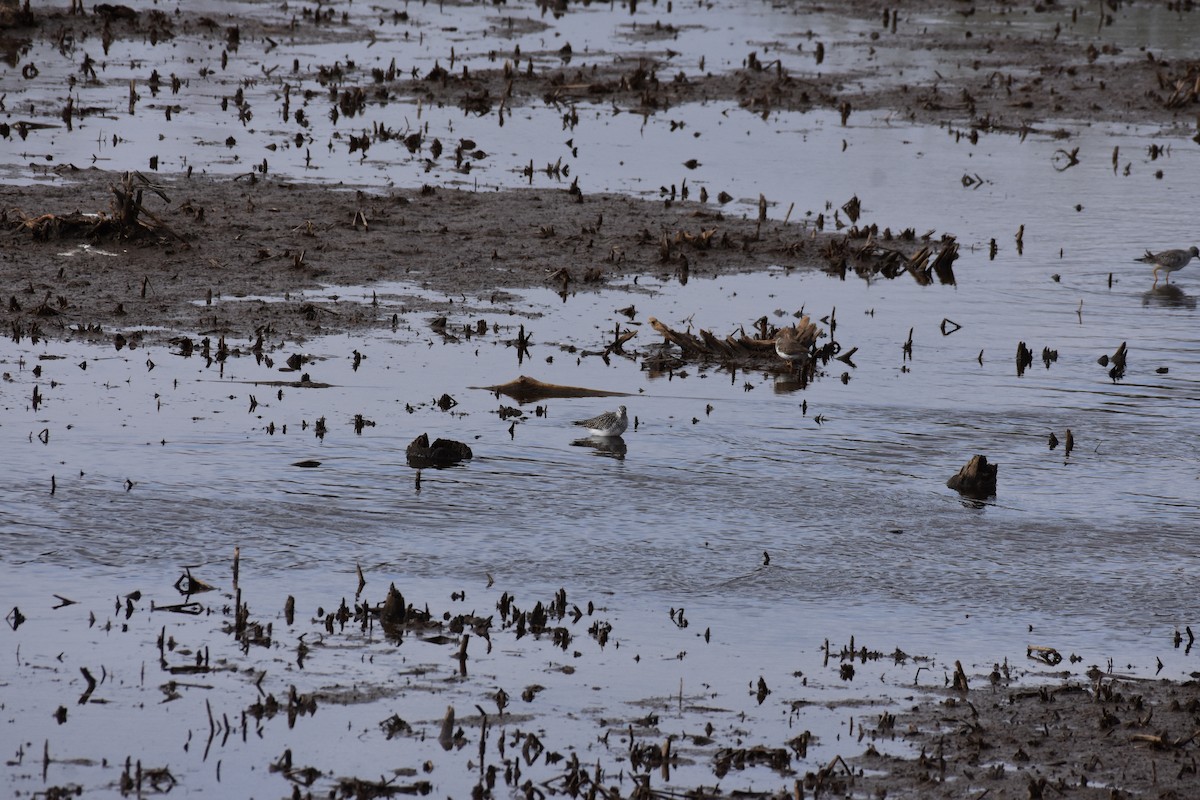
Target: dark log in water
442,453
977,479
527,390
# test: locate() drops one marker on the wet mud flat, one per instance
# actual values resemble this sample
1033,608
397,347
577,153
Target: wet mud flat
367,691
224,239
1105,737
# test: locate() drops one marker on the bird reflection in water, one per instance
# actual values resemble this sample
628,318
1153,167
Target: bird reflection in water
1169,296
611,446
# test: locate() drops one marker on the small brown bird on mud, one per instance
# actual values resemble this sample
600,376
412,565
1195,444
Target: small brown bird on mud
795,344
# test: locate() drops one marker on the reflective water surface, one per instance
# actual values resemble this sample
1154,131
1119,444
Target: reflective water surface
160,462
739,525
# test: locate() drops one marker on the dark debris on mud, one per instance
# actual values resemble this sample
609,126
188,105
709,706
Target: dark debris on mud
1022,63
1110,737
996,735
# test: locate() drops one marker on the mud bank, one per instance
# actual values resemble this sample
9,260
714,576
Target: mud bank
231,239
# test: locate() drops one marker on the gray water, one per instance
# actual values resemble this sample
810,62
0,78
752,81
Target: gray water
158,462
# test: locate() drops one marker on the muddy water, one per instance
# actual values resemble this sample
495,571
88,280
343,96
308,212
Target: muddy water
158,462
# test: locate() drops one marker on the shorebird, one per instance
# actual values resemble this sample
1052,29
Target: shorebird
794,344
610,423
1169,261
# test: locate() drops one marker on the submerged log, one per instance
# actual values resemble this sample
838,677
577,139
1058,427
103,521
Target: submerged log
526,390
977,479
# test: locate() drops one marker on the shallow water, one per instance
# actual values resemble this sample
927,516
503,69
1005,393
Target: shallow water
159,462
1089,554
718,467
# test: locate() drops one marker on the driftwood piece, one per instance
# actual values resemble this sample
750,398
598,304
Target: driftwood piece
128,218
890,255
128,210
943,263
709,346
1047,655
689,344
525,390
716,346
49,226
977,479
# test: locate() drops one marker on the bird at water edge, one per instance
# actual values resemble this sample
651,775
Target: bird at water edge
794,344
1169,261
610,423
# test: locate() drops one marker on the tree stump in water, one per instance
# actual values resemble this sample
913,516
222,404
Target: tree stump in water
442,453
977,479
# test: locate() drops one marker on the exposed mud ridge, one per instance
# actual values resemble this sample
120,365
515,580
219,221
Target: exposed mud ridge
251,237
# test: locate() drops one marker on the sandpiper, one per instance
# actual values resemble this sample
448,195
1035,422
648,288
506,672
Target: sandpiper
1169,261
610,423
794,344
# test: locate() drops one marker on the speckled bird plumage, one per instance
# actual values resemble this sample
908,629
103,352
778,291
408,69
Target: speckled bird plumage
1169,261
610,423
794,344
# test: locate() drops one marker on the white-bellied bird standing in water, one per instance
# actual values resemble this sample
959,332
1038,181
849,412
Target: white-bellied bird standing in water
1169,261
610,423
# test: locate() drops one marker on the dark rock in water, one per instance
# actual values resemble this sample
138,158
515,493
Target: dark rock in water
976,480
442,453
